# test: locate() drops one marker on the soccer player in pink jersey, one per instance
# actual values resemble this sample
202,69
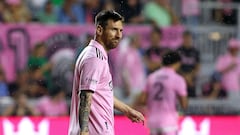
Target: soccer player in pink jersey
164,87
93,103
228,65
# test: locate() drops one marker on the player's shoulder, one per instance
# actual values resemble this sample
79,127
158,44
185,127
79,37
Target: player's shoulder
154,74
222,58
179,77
91,52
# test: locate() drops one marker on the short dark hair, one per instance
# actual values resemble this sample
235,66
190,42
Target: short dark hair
171,57
105,15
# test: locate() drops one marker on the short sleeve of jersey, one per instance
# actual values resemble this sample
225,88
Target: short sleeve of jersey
90,73
181,87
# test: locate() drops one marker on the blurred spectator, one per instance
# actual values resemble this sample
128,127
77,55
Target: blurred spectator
35,6
71,12
229,67
3,85
85,39
47,15
58,3
54,104
131,10
2,10
190,12
62,69
91,8
154,53
214,89
39,64
37,84
17,12
132,72
190,63
20,107
108,5
226,15
21,84
160,13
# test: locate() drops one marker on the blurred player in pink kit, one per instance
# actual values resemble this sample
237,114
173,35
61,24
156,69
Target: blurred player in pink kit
93,103
164,87
228,65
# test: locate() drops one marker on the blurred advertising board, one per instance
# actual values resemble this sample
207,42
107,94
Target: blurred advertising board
17,41
190,125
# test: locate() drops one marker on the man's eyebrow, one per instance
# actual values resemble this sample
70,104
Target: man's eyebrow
115,28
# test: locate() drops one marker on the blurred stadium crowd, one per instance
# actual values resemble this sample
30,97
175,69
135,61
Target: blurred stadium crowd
209,51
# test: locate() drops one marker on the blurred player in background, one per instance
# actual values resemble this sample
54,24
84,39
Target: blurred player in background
130,70
163,88
228,65
93,102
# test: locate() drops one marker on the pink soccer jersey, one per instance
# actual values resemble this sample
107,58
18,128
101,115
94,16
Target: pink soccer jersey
163,87
230,80
92,73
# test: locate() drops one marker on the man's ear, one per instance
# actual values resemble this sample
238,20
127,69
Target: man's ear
99,30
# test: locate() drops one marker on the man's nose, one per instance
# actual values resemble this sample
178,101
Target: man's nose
119,34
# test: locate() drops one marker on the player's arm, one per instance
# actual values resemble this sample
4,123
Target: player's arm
84,110
182,93
229,68
89,71
183,100
140,102
132,114
141,99
222,68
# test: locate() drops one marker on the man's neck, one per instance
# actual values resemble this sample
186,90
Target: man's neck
101,43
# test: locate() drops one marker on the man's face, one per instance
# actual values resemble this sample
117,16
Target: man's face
187,40
233,51
155,38
112,34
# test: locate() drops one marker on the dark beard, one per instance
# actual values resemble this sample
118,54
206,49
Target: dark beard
111,46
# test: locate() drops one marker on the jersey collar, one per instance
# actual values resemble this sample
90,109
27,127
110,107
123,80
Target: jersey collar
168,69
94,43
